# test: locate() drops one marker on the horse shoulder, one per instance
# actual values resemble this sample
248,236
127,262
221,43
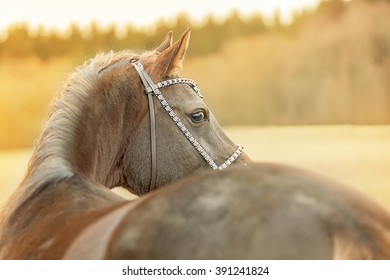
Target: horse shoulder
94,241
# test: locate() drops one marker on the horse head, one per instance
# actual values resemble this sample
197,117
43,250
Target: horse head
176,157
100,125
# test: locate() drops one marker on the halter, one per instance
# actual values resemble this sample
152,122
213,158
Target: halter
153,89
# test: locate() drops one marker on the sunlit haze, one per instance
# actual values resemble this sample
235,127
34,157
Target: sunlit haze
142,13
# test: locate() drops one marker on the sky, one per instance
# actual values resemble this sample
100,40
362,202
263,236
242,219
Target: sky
141,13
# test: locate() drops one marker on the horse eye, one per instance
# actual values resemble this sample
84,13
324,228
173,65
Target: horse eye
198,116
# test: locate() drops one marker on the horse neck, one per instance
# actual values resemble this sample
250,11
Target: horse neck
83,137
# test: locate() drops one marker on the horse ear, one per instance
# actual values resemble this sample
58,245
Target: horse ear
170,60
166,43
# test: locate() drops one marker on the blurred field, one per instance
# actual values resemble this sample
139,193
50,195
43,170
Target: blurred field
13,164
27,87
356,155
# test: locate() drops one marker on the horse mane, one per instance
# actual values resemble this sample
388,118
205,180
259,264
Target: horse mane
65,112
49,160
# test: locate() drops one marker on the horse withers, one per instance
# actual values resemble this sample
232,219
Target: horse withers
99,134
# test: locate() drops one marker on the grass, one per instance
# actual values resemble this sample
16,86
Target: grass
356,155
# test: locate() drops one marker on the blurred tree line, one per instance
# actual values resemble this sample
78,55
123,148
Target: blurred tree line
21,41
334,68
45,44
